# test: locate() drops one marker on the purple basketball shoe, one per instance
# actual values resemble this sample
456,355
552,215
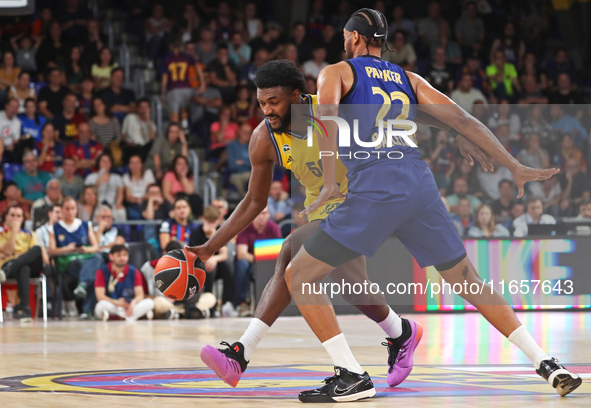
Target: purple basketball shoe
228,363
400,351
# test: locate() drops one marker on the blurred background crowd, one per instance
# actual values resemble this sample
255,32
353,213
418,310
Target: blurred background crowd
142,112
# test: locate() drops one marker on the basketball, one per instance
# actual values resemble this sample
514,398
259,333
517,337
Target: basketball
179,275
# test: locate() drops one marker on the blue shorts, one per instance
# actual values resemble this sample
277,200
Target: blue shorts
396,198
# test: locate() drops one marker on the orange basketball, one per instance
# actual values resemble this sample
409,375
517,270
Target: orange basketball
179,275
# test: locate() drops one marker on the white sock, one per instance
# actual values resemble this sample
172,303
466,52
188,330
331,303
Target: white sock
252,336
392,324
341,355
526,343
185,123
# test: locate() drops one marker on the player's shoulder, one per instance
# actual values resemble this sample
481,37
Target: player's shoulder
260,142
336,69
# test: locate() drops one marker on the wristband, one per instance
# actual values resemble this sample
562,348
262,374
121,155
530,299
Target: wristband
453,133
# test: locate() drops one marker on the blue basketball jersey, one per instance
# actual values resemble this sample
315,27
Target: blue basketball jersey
63,237
123,288
381,91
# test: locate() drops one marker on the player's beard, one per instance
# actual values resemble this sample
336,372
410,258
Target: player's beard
284,122
348,50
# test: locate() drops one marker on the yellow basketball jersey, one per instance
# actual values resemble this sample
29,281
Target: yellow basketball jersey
294,154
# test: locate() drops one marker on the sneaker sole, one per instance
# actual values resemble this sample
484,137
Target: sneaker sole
407,370
355,397
566,383
345,398
212,362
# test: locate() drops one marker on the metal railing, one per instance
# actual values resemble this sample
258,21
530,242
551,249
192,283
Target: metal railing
194,163
209,191
139,82
157,113
125,62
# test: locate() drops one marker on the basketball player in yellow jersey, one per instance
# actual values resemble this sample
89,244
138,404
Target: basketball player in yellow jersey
280,84
294,154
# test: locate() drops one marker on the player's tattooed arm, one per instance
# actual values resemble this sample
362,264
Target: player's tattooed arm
262,158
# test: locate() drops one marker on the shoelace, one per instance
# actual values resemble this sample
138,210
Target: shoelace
328,380
394,354
233,354
229,348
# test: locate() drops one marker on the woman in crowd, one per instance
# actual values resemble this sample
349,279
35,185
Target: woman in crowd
31,121
485,225
108,185
536,123
166,148
50,153
136,183
87,203
178,182
76,70
402,53
52,52
22,91
179,179
101,72
8,74
105,127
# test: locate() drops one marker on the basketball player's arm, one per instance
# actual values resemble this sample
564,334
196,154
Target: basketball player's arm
261,152
441,107
467,148
331,81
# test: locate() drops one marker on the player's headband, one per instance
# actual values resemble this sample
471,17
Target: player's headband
364,28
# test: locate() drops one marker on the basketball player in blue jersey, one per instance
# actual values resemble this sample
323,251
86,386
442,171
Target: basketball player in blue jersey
280,85
397,197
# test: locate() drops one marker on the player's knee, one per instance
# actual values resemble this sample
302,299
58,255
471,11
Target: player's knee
288,275
284,257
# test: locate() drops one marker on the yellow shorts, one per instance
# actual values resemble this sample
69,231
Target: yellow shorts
322,212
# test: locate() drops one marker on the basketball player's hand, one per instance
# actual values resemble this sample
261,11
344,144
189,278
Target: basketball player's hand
328,192
202,251
523,174
469,150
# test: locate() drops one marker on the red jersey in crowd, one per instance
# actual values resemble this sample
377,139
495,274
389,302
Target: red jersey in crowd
176,66
90,150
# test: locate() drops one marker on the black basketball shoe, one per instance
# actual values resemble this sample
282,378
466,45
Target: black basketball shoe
228,363
344,386
559,377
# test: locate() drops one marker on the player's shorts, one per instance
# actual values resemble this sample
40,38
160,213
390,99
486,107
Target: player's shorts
178,98
401,199
326,208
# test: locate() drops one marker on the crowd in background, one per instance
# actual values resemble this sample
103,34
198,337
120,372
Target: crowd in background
74,137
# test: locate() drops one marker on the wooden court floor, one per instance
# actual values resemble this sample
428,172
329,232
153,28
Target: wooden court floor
460,361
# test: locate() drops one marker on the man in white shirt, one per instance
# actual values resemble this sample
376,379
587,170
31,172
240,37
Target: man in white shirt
584,210
534,215
314,66
465,95
489,180
10,127
139,130
107,236
42,206
55,215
